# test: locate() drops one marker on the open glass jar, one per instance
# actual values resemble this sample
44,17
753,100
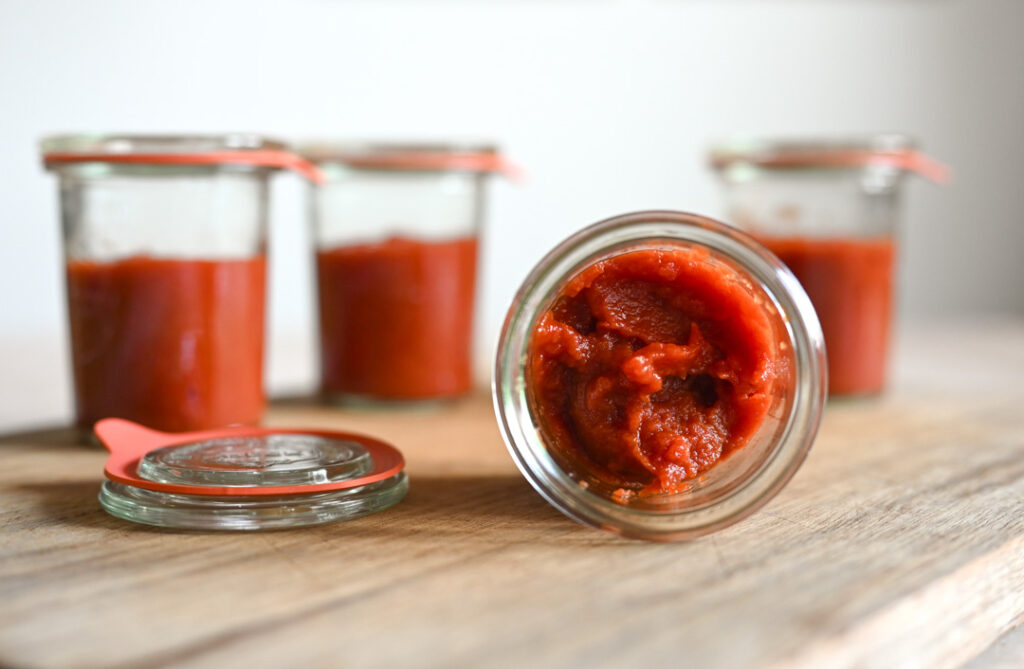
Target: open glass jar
830,210
164,240
397,230
659,375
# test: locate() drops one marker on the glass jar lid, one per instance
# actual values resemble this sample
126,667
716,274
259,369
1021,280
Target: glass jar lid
183,150
246,478
733,487
422,157
885,150
258,460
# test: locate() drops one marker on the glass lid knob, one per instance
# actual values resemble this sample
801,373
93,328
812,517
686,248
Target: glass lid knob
260,460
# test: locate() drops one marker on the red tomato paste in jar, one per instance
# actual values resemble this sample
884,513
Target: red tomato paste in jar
396,318
653,365
176,345
850,283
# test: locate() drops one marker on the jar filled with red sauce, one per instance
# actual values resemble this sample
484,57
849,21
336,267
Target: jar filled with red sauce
830,211
164,242
659,375
397,235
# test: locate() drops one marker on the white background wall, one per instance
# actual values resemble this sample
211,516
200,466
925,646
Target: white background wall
608,104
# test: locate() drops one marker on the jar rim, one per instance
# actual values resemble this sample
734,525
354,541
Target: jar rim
481,157
890,150
237,149
523,436
150,144
743,146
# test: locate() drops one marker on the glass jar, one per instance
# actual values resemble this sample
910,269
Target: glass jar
830,211
659,375
164,240
396,231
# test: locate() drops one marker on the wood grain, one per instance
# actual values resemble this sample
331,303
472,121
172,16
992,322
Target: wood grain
899,543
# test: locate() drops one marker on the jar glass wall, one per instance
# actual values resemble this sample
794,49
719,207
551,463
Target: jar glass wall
166,277
397,232
659,375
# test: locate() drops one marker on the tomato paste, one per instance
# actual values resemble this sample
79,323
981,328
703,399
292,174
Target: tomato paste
396,318
850,283
653,365
173,344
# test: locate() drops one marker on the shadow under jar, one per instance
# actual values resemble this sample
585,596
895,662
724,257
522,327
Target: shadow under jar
164,240
396,231
659,375
830,211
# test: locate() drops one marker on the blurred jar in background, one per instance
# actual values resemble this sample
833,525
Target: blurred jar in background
397,230
830,210
164,239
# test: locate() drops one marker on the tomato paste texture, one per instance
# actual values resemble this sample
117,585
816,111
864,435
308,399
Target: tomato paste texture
653,365
174,344
396,318
850,283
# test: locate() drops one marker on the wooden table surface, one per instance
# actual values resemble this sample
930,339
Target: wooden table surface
900,542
